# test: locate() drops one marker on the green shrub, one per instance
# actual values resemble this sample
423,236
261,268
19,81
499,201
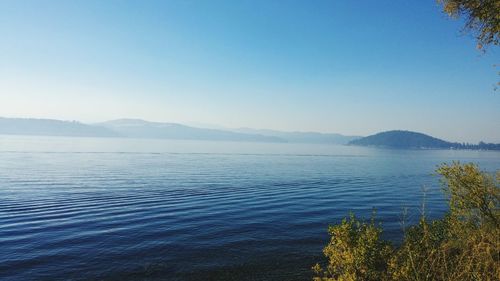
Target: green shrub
355,252
464,245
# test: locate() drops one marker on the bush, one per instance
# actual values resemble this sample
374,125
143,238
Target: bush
464,245
355,252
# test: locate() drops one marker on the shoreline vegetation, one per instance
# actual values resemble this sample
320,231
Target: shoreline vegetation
463,245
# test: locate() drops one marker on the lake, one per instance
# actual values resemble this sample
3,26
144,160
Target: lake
138,209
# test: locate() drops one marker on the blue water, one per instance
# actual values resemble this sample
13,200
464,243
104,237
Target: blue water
125,209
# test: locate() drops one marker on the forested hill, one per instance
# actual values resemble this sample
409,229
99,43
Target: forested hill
414,140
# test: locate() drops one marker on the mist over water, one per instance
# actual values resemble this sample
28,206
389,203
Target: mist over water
138,209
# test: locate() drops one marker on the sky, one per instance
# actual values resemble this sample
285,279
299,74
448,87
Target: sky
351,67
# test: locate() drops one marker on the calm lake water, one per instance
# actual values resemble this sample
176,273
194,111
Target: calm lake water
129,209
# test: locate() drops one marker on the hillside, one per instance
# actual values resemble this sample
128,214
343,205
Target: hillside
414,140
137,128
51,127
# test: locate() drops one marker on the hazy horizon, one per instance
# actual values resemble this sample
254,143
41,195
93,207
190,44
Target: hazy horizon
331,67
244,130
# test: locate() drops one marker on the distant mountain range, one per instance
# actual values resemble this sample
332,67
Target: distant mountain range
136,128
50,127
302,137
414,140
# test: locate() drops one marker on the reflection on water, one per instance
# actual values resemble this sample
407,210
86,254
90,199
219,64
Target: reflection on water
133,209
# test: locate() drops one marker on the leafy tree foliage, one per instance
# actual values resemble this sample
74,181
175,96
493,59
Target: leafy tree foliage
464,245
482,18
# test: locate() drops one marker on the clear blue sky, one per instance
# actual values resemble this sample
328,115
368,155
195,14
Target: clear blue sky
353,67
